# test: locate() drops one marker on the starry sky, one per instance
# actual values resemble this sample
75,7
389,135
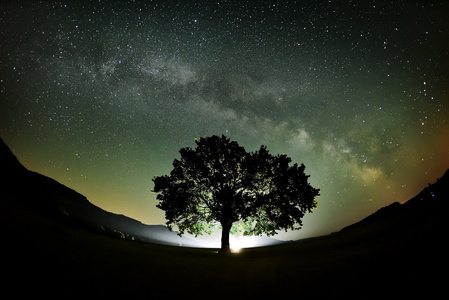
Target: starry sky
101,95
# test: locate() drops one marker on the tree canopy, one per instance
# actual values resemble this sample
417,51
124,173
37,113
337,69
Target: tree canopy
220,184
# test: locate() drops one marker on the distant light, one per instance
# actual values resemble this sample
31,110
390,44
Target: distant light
237,241
236,249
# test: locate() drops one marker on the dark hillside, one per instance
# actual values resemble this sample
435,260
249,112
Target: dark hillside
52,199
429,206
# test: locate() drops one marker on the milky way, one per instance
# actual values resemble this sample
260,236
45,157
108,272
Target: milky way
101,96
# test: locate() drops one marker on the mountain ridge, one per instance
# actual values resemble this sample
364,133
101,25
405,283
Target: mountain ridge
67,205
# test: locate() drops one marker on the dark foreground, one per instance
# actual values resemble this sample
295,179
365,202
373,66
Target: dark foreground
399,258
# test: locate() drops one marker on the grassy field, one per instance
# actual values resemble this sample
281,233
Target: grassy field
43,257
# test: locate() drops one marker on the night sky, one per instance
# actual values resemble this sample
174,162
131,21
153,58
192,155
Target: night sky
101,95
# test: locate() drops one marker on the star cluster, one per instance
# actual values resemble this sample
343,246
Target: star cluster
101,95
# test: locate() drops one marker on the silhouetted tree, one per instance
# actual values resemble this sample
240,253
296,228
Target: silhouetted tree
220,184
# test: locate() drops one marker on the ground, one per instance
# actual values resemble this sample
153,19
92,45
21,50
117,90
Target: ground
43,257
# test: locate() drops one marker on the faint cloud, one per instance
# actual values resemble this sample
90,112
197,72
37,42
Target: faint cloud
368,174
171,70
107,68
340,156
302,140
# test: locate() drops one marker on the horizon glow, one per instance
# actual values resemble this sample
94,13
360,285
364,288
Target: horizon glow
237,241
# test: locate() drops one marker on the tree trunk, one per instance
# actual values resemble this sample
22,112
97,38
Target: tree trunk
225,246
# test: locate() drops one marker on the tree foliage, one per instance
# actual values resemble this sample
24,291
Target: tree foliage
220,184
